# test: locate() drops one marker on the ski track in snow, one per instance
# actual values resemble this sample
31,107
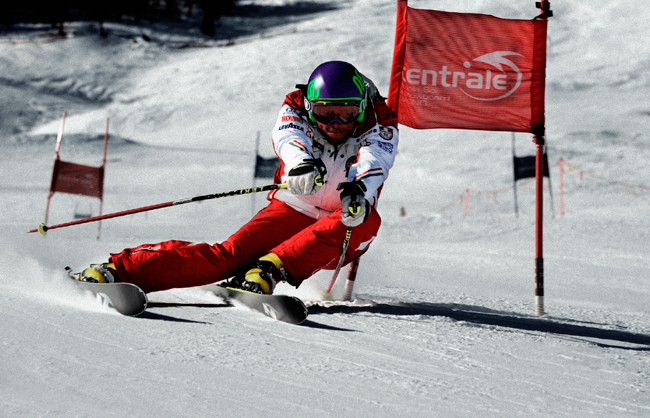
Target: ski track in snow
444,322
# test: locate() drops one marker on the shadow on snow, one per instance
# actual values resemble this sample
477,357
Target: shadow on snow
464,313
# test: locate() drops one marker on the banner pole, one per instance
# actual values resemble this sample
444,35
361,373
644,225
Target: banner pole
395,83
103,171
514,182
59,137
352,276
539,226
257,152
561,188
546,12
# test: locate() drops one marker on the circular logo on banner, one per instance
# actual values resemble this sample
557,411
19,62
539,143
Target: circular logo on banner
498,82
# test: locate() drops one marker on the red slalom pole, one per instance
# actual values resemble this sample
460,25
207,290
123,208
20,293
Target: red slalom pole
546,12
42,228
539,226
349,283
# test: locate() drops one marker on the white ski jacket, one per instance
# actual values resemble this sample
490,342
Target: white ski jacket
366,156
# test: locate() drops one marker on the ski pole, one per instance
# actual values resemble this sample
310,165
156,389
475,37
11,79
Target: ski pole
346,242
354,209
42,228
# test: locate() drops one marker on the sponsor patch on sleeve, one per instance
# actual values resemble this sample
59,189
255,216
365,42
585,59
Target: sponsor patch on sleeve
386,146
291,125
288,110
291,119
386,133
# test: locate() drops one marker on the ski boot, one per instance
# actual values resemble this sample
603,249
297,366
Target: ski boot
98,273
261,277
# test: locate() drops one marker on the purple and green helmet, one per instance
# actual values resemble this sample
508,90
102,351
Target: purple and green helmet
337,83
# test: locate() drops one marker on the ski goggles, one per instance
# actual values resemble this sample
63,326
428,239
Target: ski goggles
331,113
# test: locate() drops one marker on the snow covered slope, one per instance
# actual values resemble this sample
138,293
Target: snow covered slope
444,322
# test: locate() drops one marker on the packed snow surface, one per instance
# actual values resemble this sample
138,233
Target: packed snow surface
444,319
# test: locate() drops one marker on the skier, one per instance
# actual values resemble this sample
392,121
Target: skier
336,141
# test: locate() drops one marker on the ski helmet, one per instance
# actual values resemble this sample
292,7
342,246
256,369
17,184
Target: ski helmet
336,83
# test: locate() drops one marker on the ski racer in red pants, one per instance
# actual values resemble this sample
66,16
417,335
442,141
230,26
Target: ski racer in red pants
336,141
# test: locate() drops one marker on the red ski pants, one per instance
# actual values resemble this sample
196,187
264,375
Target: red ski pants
304,245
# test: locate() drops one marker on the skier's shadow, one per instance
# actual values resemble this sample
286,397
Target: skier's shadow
312,324
160,317
582,331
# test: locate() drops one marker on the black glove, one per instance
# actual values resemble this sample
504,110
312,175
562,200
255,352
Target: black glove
306,177
354,206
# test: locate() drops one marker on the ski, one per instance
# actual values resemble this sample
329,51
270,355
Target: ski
282,308
126,298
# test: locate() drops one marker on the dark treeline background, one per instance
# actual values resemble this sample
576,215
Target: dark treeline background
56,12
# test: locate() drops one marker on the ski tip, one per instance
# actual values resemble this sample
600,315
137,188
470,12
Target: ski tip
42,229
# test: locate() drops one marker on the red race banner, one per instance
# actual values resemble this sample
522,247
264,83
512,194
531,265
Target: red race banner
77,179
468,71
